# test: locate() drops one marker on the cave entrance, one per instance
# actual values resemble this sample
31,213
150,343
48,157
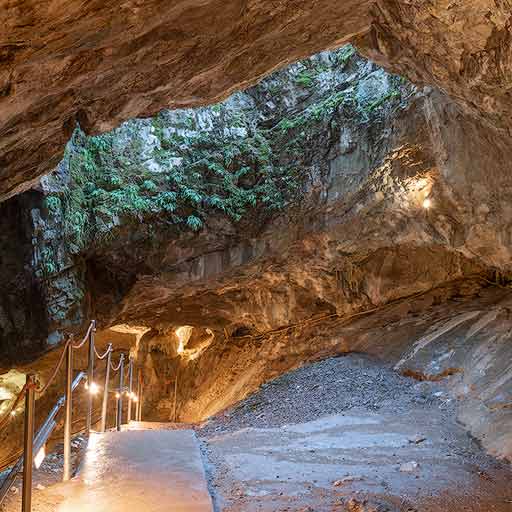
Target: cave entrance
278,266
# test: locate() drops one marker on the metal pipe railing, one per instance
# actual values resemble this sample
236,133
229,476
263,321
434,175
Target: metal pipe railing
32,445
119,395
140,384
104,405
28,443
90,377
67,422
130,390
40,439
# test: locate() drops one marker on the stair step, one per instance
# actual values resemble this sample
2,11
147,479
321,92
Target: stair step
156,425
146,471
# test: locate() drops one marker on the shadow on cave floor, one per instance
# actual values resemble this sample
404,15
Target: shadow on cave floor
349,434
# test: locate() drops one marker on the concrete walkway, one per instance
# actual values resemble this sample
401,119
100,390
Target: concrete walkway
143,471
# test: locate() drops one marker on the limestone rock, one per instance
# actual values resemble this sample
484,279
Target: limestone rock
124,60
409,467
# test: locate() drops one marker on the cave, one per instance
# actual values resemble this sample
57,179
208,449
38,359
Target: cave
290,226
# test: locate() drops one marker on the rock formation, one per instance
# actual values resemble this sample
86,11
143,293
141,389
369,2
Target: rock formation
102,64
302,218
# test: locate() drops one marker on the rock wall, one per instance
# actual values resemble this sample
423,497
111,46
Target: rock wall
124,60
22,299
362,242
127,209
457,334
327,216
298,203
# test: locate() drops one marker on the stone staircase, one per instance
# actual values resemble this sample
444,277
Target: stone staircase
154,425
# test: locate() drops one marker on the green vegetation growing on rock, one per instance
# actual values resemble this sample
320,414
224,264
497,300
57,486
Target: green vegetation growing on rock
53,204
305,78
156,191
343,55
201,173
314,113
228,160
48,265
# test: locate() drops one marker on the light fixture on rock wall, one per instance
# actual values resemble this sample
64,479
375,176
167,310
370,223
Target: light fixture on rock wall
93,388
427,203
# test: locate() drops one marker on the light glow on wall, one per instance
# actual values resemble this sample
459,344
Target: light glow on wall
93,388
38,459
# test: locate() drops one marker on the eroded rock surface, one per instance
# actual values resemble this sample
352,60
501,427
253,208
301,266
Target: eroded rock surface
100,65
320,217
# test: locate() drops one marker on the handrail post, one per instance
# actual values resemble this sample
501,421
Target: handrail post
105,390
130,389
138,397
90,377
141,397
119,418
68,413
28,443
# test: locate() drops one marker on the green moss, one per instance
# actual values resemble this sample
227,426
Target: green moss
315,113
344,54
305,78
47,262
53,204
393,94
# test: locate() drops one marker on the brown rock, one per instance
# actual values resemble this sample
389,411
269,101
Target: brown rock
100,64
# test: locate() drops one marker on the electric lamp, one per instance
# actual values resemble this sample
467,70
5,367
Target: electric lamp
93,388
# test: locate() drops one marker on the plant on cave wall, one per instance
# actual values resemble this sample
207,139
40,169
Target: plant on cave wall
220,173
235,167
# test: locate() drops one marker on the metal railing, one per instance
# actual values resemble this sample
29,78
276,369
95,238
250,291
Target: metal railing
34,445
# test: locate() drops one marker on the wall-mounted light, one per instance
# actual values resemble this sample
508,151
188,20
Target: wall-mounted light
118,395
93,388
427,203
13,413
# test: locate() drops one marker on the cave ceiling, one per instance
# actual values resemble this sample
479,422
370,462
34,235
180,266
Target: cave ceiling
99,63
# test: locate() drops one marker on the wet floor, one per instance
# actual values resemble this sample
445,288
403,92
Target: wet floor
408,456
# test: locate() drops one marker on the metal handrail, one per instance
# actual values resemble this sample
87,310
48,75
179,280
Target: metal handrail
86,338
41,437
33,444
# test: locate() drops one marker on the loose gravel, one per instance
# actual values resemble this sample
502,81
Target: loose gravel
332,386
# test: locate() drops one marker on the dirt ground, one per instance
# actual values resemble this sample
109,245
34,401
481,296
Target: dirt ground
349,434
